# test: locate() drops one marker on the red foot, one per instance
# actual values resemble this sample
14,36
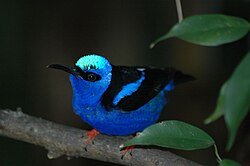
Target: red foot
91,135
129,148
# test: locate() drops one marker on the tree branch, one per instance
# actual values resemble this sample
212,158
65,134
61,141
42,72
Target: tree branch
64,140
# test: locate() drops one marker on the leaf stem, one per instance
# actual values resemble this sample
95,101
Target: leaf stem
216,153
179,10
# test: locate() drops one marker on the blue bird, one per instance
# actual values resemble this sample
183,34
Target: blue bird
119,100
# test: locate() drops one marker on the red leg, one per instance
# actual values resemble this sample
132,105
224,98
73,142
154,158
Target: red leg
91,135
127,149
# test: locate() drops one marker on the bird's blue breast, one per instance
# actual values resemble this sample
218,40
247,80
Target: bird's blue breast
119,122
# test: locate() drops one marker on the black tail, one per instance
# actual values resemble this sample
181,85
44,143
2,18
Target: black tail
180,78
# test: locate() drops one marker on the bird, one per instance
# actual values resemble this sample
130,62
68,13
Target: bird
119,100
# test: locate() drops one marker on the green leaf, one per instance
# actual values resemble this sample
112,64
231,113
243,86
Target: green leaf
172,134
208,30
228,162
219,111
237,98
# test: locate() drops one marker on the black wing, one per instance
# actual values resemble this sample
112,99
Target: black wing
155,80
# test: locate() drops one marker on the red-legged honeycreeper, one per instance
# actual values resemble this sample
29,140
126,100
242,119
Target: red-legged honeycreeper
119,100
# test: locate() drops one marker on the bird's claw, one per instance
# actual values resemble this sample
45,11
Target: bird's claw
91,136
127,149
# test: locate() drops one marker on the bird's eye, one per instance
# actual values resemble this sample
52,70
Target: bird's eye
91,77
88,76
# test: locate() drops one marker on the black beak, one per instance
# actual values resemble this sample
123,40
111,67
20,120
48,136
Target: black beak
71,70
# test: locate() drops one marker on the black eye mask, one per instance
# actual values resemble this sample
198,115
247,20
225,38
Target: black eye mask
88,76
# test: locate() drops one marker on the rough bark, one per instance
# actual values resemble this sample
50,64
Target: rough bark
64,140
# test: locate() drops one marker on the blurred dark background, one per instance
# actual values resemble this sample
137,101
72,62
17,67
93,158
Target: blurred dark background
34,34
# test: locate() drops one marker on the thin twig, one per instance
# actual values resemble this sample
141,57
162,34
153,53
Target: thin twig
179,10
64,140
217,153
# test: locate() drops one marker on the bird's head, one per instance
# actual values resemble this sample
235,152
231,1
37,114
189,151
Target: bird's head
90,77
